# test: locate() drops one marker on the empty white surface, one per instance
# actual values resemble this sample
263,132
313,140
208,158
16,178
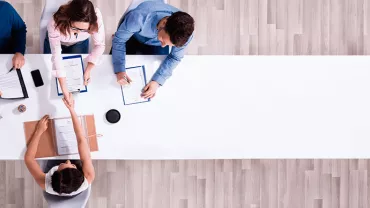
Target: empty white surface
215,107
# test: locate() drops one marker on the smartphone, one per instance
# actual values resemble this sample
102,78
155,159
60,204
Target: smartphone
37,79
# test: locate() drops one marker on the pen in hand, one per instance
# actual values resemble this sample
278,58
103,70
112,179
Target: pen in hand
127,80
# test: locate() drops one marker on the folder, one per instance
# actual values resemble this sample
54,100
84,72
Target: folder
48,145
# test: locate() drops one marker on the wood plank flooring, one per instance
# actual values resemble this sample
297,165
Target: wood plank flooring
248,27
308,183
233,27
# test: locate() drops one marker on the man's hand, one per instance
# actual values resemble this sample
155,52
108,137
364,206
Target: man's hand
149,90
42,125
18,60
69,104
1,93
123,79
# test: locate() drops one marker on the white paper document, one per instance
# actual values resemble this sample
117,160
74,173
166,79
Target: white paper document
10,85
74,75
132,92
65,136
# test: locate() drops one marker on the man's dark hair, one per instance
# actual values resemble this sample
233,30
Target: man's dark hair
67,180
179,26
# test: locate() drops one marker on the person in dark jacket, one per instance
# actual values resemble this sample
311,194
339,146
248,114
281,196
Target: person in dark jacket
12,34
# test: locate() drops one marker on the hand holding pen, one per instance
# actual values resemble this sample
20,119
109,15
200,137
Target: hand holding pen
123,79
18,61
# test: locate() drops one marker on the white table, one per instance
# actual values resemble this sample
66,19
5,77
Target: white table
215,107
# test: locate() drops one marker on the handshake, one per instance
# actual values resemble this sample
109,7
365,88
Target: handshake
70,103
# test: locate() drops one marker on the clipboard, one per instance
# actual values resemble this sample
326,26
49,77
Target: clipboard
83,72
47,146
125,100
22,84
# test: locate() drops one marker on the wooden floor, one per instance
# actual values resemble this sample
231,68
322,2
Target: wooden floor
249,27
208,184
232,27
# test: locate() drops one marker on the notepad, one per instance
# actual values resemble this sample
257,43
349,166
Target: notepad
12,85
74,68
65,136
132,93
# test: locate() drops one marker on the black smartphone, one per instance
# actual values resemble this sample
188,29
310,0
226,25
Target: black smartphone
37,79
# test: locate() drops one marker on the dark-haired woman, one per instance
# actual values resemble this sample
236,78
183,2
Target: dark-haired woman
69,32
65,178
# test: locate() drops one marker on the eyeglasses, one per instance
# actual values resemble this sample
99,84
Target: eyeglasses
78,29
159,29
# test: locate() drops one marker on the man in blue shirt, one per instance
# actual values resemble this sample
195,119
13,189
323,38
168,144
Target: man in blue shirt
150,29
12,34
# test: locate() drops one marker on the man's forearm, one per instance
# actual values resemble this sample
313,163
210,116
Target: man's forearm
118,55
19,30
118,69
119,62
165,69
20,41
